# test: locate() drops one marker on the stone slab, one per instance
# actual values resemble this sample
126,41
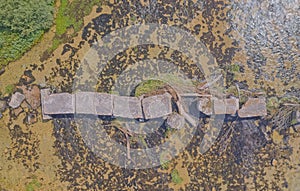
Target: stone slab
85,103
254,107
127,107
157,106
226,106
104,104
16,100
61,103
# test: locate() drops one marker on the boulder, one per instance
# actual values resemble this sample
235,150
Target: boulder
16,100
127,107
157,106
254,107
175,121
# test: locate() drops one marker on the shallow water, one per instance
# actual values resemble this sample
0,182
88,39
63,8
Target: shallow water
261,41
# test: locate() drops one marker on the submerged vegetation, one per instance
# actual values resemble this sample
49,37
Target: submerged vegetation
69,20
148,86
22,25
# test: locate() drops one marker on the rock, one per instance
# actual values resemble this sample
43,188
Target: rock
16,100
226,106
62,103
176,121
127,107
157,106
204,105
32,95
2,70
3,105
94,103
31,118
254,107
1,115
18,111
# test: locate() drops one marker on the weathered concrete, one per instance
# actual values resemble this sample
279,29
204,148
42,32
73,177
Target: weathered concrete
254,107
85,103
63,103
205,105
226,106
44,95
157,106
16,100
104,104
175,121
127,107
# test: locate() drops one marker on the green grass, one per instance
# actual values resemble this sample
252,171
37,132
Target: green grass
70,15
148,86
235,68
176,179
33,185
13,45
9,89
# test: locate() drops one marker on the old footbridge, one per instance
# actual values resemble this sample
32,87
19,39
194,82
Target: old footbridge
103,104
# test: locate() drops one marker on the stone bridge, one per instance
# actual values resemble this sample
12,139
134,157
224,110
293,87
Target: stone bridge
103,104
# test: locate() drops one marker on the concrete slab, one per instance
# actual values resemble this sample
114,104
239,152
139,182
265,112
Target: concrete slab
62,103
44,95
226,106
254,107
157,106
127,107
85,103
104,104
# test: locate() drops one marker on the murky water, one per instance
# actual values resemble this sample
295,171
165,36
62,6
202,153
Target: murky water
255,43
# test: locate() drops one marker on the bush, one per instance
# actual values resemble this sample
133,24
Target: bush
22,24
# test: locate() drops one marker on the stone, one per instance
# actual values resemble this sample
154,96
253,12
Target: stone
104,104
44,95
61,103
226,106
18,111
94,103
16,100
85,103
31,118
3,105
127,107
175,121
157,106
32,95
204,105
254,107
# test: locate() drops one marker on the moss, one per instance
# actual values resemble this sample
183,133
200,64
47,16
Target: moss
9,89
175,177
272,104
234,68
148,86
33,185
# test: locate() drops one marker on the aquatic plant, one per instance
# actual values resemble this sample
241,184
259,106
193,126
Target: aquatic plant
175,177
